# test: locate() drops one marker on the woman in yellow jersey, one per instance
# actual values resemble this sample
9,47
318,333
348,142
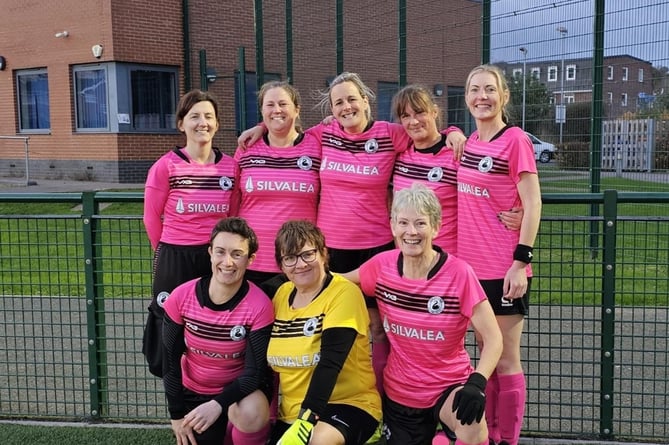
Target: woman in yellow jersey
320,347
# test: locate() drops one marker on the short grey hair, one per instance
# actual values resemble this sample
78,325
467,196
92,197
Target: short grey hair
419,198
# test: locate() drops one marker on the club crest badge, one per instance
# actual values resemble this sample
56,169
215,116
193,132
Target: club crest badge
371,146
304,163
238,333
435,174
225,183
485,164
310,327
435,305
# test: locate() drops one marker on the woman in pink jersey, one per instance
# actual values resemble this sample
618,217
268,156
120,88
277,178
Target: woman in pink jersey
427,299
428,160
187,191
215,336
279,177
498,171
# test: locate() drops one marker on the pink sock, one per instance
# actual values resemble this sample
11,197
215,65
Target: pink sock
511,406
228,435
491,399
257,438
440,439
380,351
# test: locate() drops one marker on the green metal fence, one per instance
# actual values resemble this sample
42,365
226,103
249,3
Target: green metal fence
75,280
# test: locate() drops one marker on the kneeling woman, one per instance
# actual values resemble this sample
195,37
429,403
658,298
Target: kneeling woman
215,335
320,348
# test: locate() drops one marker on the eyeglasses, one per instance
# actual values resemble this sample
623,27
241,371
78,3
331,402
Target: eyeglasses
308,256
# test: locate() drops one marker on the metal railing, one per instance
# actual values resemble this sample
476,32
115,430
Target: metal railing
75,280
26,150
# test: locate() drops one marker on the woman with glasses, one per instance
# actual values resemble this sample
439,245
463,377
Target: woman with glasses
320,347
215,340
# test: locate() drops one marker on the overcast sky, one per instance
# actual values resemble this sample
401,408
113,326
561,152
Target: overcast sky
639,28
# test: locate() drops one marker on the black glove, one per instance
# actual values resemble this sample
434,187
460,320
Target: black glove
469,402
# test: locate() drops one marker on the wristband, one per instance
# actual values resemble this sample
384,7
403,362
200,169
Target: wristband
523,253
308,415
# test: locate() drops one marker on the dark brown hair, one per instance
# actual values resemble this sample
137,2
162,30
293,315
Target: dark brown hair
237,226
189,100
294,235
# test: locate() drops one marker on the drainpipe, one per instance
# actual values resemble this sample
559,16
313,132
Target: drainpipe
186,44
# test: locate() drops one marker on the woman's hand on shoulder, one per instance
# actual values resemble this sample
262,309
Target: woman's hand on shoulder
455,140
250,136
327,120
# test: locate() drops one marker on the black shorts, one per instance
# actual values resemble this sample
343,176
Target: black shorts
494,289
343,260
355,424
403,425
172,266
269,282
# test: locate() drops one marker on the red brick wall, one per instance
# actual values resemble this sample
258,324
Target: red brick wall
443,44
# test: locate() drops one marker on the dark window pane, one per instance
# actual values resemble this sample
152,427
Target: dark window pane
153,99
33,93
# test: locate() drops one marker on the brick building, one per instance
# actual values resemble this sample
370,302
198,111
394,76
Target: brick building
627,81
94,84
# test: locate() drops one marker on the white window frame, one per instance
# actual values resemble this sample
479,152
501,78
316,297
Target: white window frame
569,99
552,73
93,117
535,73
570,72
609,70
623,100
610,97
641,75
626,73
517,73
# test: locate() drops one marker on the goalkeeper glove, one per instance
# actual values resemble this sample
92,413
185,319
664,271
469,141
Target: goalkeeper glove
469,402
299,432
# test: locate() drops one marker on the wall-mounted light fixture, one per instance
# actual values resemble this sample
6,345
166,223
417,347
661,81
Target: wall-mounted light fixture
3,63
211,75
62,34
438,90
97,51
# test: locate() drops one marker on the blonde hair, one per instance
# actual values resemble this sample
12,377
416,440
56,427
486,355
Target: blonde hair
325,101
502,85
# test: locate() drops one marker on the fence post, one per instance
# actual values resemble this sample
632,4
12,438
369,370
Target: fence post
608,312
95,307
